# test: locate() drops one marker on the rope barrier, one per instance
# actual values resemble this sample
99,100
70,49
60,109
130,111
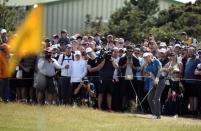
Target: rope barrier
167,78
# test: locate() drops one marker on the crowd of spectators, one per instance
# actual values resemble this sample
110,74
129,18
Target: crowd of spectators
107,73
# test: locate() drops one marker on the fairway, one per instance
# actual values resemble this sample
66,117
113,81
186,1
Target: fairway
20,117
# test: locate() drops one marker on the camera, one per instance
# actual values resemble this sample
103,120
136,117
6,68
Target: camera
86,82
107,55
48,56
199,67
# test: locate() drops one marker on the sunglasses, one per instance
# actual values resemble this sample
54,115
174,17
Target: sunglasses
129,51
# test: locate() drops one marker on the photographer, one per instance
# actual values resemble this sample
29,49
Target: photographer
45,77
106,70
128,64
85,93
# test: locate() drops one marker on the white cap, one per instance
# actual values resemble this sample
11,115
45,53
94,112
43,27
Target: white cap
3,31
77,52
177,45
176,70
162,50
89,49
124,49
121,40
115,48
54,46
163,44
147,54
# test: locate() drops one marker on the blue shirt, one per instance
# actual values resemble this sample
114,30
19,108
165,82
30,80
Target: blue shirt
191,65
153,67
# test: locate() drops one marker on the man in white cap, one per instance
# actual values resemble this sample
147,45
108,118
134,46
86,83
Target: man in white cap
162,45
153,70
4,38
78,72
163,56
92,63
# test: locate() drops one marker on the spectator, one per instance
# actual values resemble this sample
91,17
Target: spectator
116,96
198,82
55,40
98,39
65,59
93,62
188,41
25,88
64,37
120,43
128,66
78,72
174,68
4,73
163,58
153,47
175,94
45,87
4,38
191,90
139,81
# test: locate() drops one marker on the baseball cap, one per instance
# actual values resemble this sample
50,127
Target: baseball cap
147,54
162,50
77,52
177,45
3,31
64,31
163,44
89,49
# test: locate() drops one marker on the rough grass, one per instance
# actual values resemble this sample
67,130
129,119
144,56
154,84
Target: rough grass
20,117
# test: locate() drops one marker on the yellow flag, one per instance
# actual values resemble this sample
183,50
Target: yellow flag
28,37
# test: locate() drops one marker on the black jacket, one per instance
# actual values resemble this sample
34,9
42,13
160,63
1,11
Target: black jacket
123,61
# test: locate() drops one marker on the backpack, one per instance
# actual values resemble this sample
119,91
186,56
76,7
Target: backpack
58,73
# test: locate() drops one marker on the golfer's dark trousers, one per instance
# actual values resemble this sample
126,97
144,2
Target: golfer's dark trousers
155,96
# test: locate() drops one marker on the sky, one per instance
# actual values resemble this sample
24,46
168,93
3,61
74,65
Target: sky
185,1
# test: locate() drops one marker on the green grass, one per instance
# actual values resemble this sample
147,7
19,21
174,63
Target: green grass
20,117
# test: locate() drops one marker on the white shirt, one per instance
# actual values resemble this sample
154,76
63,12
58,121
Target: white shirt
66,61
115,75
79,70
47,68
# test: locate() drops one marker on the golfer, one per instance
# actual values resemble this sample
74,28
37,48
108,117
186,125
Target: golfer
153,69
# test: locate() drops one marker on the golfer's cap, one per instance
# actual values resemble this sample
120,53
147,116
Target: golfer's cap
147,54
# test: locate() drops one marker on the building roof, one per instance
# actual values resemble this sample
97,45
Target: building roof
186,1
26,2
